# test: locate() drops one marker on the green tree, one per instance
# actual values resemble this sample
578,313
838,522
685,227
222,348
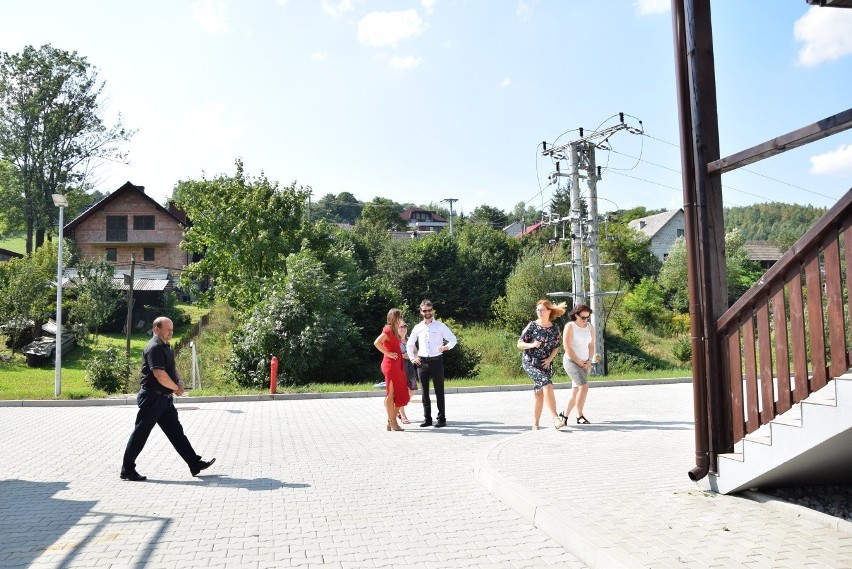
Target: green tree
245,228
630,251
525,214
381,214
301,322
94,299
50,131
489,216
486,257
27,290
646,303
342,208
530,281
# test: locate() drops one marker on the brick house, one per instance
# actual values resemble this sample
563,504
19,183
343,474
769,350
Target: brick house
662,229
129,222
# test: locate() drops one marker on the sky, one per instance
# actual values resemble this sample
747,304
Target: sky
425,100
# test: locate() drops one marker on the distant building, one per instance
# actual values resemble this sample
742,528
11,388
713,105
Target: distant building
662,229
421,220
129,222
6,255
764,252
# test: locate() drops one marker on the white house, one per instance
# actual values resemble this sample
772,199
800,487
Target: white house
662,229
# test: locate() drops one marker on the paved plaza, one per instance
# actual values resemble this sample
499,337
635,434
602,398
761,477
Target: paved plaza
320,483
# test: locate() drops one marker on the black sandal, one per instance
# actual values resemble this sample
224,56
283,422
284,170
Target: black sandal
581,420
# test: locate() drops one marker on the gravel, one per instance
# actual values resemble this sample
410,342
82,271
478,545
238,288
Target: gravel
834,500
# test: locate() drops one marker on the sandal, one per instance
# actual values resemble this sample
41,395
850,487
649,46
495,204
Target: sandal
583,421
404,420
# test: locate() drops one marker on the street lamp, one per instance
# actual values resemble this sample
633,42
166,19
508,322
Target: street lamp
60,202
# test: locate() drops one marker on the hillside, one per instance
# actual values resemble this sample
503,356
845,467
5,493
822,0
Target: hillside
778,222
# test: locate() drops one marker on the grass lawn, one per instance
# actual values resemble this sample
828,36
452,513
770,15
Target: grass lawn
500,355
18,381
16,244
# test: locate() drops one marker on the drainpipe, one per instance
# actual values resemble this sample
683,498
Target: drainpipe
696,326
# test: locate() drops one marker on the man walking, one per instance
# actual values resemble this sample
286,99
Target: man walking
430,335
160,381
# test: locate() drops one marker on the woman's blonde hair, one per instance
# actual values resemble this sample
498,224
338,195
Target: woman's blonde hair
556,310
394,318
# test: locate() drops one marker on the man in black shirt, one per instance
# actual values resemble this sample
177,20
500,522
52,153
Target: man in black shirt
160,380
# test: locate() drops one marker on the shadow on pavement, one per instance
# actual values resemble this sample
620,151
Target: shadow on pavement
219,481
34,524
475,429
632,426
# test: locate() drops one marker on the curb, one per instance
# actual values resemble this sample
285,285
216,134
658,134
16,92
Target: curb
593,549
131,399
820,518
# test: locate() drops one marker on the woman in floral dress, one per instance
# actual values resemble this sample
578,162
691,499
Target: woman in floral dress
540,343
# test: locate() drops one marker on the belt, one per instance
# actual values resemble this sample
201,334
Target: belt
431,357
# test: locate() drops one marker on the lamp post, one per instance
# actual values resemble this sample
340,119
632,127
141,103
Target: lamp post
60,202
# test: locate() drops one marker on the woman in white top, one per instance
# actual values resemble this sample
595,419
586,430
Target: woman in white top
578,340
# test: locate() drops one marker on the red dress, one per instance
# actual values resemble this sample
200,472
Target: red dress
394,370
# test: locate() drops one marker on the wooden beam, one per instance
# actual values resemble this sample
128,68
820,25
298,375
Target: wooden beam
821,129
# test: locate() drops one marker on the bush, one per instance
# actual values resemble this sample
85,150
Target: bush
108,370
462,361
169,308
682,350
299,321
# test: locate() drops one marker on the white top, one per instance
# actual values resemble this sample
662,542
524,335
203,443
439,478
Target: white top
429,337
580,340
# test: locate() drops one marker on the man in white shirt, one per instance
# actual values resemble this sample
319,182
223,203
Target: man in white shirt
430,337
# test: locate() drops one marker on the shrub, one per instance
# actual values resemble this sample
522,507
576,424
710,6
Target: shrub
462,361
108,370
682,350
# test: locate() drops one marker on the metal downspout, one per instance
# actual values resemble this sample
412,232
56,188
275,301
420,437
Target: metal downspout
699,375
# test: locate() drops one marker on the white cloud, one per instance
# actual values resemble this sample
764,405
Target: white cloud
338,8
644,7
211,15
208,125
428,5
826,33
319,56
505,82
837,162
525,9
380,29
404,63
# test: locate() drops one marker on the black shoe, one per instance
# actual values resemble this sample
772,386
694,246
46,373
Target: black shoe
441,423
202,465
133,476
426,423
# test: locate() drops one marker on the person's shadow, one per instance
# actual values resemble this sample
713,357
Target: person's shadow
224,481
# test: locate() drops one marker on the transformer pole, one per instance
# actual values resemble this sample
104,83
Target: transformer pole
593,244
451,201
578,288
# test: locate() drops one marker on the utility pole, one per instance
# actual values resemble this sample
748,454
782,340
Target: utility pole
129,324
580,155
451,201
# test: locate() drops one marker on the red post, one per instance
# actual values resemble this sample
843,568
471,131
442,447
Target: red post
273,374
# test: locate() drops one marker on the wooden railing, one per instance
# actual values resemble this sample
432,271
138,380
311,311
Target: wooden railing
790,334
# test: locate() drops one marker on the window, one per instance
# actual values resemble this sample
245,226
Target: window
111,254
148,254
680,232
143,222
116,228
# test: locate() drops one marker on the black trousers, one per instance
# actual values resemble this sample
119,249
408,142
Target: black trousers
157,410
432,368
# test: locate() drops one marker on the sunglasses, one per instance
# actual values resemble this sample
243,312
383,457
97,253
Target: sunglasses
403,325
426,310
584,317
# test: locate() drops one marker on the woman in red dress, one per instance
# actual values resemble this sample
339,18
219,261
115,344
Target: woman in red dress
396,383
